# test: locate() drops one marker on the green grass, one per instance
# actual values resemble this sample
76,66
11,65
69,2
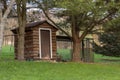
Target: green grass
31,70
7,53
57,71
106,59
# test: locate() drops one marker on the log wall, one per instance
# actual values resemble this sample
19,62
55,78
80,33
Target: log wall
36,39
32,42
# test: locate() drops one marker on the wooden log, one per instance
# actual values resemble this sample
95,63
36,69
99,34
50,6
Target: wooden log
36,49
35,42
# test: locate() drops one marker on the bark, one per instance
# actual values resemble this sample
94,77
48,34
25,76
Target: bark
4,2
21,10
3,20
76,41
76,51
1,30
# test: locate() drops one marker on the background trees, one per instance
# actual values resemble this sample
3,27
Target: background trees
110,39
3,16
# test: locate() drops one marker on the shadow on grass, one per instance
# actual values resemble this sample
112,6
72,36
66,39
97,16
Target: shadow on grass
111,60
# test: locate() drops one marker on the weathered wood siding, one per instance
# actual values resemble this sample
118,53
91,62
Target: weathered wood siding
28,45
36,39
32,42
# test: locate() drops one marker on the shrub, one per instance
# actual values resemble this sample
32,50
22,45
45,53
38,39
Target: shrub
110,45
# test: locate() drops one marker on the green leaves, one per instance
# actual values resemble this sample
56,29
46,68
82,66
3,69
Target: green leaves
113,25
110,45
75,6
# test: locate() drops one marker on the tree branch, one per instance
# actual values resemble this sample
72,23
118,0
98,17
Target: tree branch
52,20
8,9
90,27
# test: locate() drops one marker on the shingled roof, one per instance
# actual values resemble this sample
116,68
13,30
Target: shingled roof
33,24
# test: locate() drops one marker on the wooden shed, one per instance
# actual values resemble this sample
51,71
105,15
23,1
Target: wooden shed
40,41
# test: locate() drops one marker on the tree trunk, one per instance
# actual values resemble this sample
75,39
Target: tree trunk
2,26
20,53
76,57
1,29
76,41
3,18
21,10
4,2
1,34
21,33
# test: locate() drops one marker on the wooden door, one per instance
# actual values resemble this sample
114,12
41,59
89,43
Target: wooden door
45,44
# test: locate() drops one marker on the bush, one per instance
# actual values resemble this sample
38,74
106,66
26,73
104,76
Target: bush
110,45
65,54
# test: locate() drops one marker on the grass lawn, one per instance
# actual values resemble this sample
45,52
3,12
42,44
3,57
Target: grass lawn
106,59
31,70
7,53
57,71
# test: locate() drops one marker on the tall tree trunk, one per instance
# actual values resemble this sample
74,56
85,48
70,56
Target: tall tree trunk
21,10
3,18
1,30
20,53
76,41
76,51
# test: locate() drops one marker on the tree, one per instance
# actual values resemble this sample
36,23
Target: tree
110,39
83,16
3,17
4,3
21,11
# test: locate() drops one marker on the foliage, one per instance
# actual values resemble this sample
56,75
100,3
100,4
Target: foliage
65,54
86,12
113,25
110,39
110,45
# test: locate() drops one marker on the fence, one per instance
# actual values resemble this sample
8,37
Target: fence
86,47
87,53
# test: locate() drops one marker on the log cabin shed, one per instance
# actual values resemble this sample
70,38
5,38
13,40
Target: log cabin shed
40,41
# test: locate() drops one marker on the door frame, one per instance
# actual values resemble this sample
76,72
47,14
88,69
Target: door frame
40,53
